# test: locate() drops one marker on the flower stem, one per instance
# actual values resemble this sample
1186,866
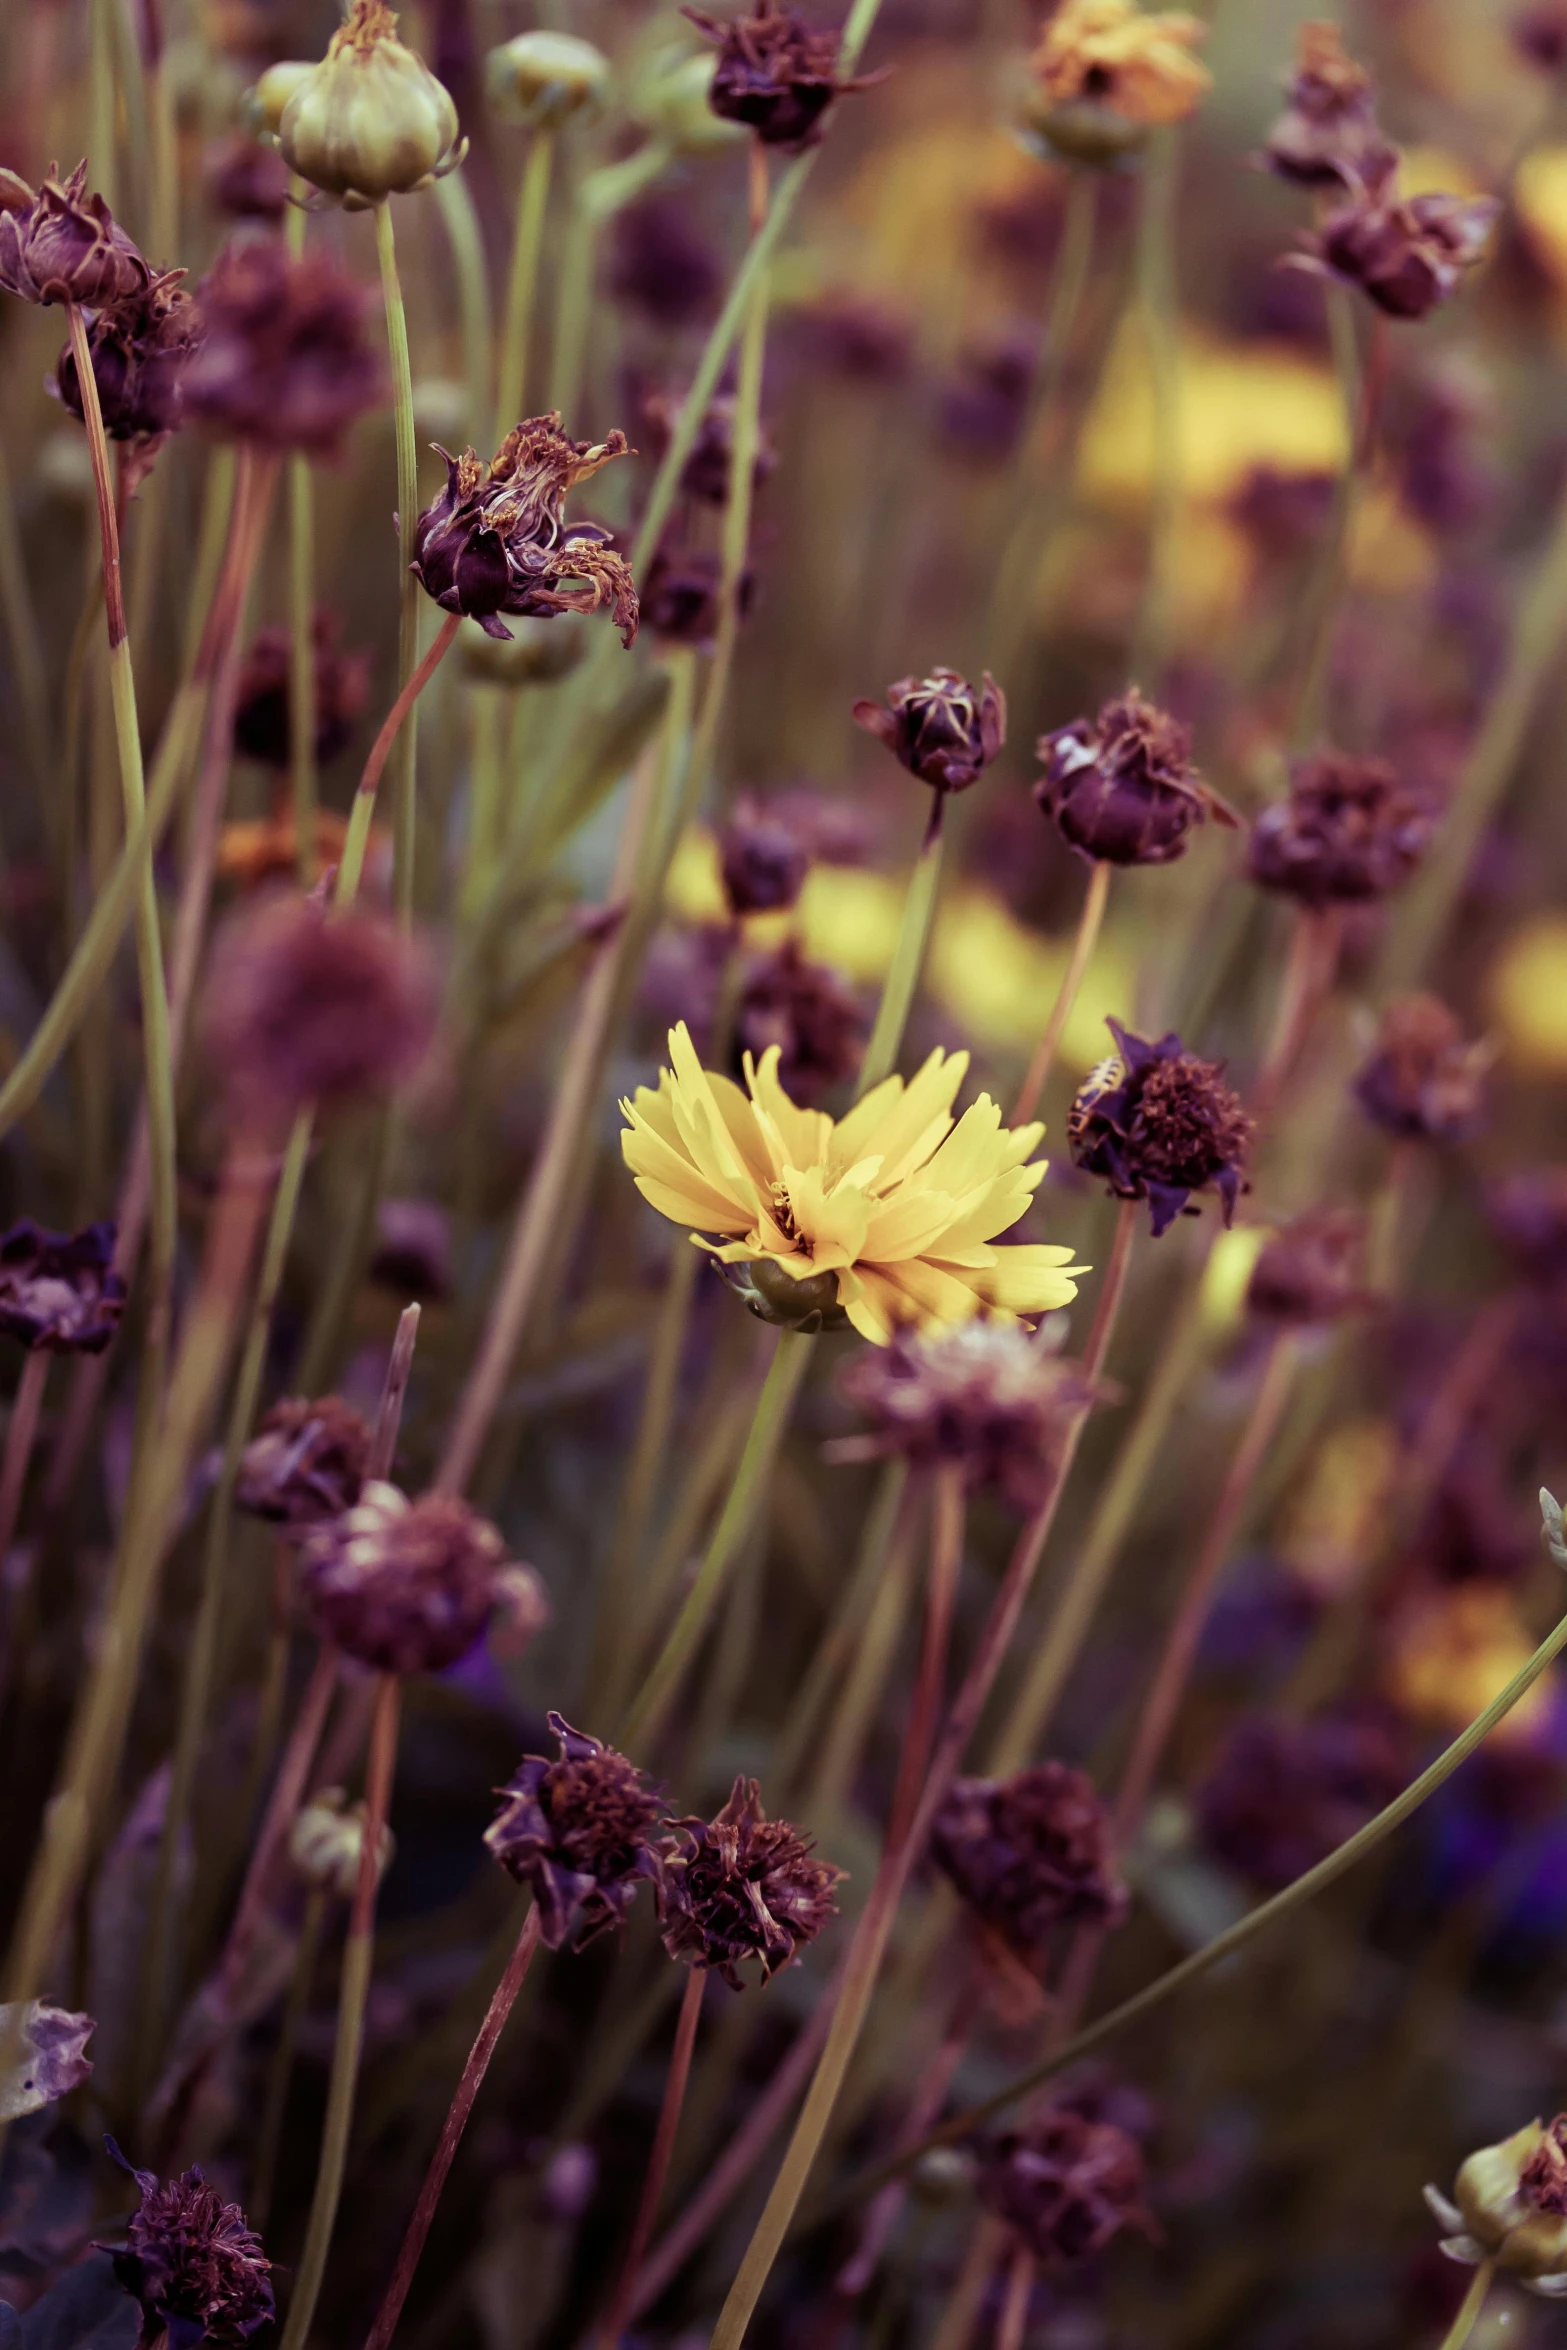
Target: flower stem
275,2111
844,1627
403,809
398,721
986,2247
1308,977
941,1591
908,961
841,1749
1157,301
21,1430
473,291
511,382
1089,921
657,2171
302,664
1473,2302
1012,2320
1361,394
600,195
21,627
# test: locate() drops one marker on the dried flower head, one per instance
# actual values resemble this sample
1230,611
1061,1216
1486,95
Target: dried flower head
940,728
1510,2206
1328,135
327,1841
580,1832
1114,56
1158,1123
896,1205
306,1462
406,1586
1283,512
140,350
57,1289
1528,1214
287,363
775,74
1423,1082
1030,1854
46,2055
741,1886
62,245
662,265
370,120
1409,255
1122,787
985,1396
811,1015
761,860
304,1005
494,540
1069,2185
341,683
413,1249
546,78
1349,831
246,180
1313,1270
193,2262
1283,1794
680,595
1539,34
705,473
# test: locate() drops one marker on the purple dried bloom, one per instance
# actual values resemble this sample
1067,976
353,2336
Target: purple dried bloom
1158,1123
1328,135
57,1290
193,2262
1067,2184
662,267
1284,1794
1528,1214
1312,1271
141,350
1539,34
983,1395
1406,256
62,245
306,1462
246,180
408,1586
814,1018
1122,787
741,1886
580,1833
287,363
1283,512
1423,1083
48,2056
775,74
762,860
680,596
341,683
1030,1854
940,728
705,473
1348,832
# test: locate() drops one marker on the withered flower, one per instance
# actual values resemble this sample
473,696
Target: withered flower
580,1832
193,2262
1510,2206
140,350
705,473
247,180
1067,2184
306,1462
775,74
761,860
1122,787
1424,1083
370,120
1328,135
62,245
57,1289
407,1586
741,1886
680,597
1283,1794
1528,1214
940,728
494,540
813,1017
1106,72
1313,1270
1347,832
288,363
1406,255
341,682
1158,1123
982,1395
1030,1854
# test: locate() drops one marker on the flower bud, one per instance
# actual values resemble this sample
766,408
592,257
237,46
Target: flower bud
263,103
672,100
327,1841
64,245
545,79
370,120
1510,2206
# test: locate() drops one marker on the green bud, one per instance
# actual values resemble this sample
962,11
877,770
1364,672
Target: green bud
775,1296
670,99
263,103
1080,130
370,120
546,79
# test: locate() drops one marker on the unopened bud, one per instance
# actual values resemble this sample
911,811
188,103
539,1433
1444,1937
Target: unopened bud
370,120
1552,1533
263,103
546,79
671,99
327,1840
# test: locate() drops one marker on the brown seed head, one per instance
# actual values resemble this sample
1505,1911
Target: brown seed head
1312,1271
1067,2184
405,1586
741,1886
940,728
1122,787
762,860
1406,256
1348,832
306,1462
810,1013
1328,135
288,363
1423,1082
982,1395
141,350
1030,1854
193,2263
1158,1123
680,598
580,1832
57,1289
63,245
341,682
775,73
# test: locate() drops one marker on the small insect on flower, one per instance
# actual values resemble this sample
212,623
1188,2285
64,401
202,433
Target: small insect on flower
1424,1083
1121,787
46,2051
1407,256
775,74
1158,1123
141,349
494,540
306,1462
193,2262
891,1212
581,1832
986,1397
940,728
326,1843
287,363
1347,833
741,1886
1328,134
410,1586
1068,2184
1030,1854
340,685
57,1289
62,245
1509,2205
370,120
1106,72
1313,1271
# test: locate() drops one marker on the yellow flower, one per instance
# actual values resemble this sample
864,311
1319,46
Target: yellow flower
1528,992
1456,1650
1141,66
899,1200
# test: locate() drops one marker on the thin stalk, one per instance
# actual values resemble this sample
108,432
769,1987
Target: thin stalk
1012,2319
986,2247
947,1505
1360,390
908,961
302,663
1157,302
21,1430
843,1742
288,1793
1089,922
503,2000
1308,977
1469,2309
651,2195
21,628
398,723
533,191
353,1992
844,1627
461,223
274,2112
403,806
598,197
930,2095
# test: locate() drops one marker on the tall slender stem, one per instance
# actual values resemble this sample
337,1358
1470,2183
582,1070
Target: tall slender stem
1360,390
20,1433
1157,302
21,626
511,381
404,813
473,292
1089,921
302,663
598,197
1469,2308
652,2190
275,2111
844,1626
397,722
941,1591
908,961
1012,2319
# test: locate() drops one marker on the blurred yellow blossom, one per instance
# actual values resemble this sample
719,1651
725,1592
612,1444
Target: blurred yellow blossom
1336,1521
1528,995
1227,1274
1138,63
1455,1651
1241,405
1540,197
1437,171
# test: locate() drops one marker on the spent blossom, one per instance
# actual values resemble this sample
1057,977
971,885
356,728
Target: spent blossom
941,728
287,362
775,74
1067,2184
1029,1854
193,2262
809,1013
58,1290
762,860
1347,832
1313,1270
1509,2206
984,1397
1157,1122
741,1886
141,350
410,1586
1328,134
61,244
1407,255
340,684
1121,787
1424,1082
306,1462
582,1832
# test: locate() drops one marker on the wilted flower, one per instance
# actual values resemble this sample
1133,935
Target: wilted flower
494,540
1069,2185
1348,831
1405,255
774,73
896,1204
544,79
62,245
407,1586
813,1017
140,350
193,2262
1106,71
46,2055
1528,1214
1423,1083
57,1290
1122,787
940,728
662,265
1158,1123
370,120
741,1886
1283,1794
1030,1854
306,1462
581,1833
287,363
1328,135
985,1397
705,473
247,180
679,599
341,685
1312,1270
762,860
1510,2207
327,1841
309,1006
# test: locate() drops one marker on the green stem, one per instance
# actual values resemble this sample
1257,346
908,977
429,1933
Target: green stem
259,2202
461,223
403,805
511,382
842,1747
845,1627
21,627
1156,292
1473,2302
1325,587
302,664
657,2171
1085,940
908,961
598,198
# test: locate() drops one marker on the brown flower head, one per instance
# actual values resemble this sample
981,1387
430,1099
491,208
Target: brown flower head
1528,1214
1122,787
1067,2184
306,1462
1030,1854
1284,1794
742,1886
406,1586
1510,2207
940,728
62,245
705,473
193,2262
494,540
983,1395
141,350
261,711
1312,1271
1406,256
1106,72
775,74
580,1832
680,596
1158,1123
309,1006
1539,34
246,180
812,1016
57,1289
1328,135
1348,831
1423,1082
288,363
762,861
